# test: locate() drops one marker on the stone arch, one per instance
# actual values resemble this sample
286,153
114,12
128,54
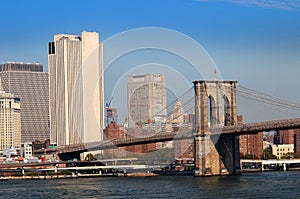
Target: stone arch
212,111
215,102
226,111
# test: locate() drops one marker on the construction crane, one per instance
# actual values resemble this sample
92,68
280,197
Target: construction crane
108,104
109,112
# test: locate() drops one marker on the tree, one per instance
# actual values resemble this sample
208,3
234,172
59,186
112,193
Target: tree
267,154
297,155
90,157
289,155
248,156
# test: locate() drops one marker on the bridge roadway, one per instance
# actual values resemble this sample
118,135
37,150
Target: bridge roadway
249,128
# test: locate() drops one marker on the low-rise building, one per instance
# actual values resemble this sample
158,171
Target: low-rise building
26,150
111,132
10,152
281,150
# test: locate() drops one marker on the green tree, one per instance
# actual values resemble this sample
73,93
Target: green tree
297,155
248,156
289,155
90,157
267,154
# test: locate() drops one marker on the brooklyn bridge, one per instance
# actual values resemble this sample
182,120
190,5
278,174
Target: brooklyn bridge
215,133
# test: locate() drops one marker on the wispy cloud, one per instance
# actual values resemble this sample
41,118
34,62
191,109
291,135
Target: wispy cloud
277,4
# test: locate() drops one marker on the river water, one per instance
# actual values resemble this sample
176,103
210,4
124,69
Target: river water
248,185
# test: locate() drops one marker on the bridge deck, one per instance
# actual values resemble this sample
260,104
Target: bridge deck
180,135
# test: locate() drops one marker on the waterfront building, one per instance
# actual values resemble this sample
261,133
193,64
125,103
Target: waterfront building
138,132
277,139
26,150
290,136
29,83
10,152
286,136
76,88
10,121
251,145
297,140
146,98
111,132
281,150
38,144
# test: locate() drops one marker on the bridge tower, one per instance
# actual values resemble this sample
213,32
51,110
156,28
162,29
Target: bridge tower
215,106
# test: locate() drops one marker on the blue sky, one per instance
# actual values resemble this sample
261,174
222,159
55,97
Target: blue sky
256,42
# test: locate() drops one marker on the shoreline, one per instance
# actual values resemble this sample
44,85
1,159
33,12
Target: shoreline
139,174
4,178
41,177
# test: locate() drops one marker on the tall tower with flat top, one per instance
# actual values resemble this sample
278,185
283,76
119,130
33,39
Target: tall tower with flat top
76,88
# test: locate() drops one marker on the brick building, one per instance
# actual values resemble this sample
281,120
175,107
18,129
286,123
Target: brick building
184,149
286,136
111,132
251,144
142,148
291,136
297,140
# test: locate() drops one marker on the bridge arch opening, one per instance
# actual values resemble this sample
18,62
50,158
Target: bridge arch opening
211,111
226,111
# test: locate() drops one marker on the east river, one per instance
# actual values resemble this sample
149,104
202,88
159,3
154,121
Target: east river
248,185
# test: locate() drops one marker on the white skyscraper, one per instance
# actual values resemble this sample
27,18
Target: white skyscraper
76,88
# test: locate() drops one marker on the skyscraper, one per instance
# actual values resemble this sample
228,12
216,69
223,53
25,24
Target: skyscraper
10,121
29,83
177,115
146,95
76,88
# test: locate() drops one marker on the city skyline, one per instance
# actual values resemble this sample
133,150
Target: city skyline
247,40
154,95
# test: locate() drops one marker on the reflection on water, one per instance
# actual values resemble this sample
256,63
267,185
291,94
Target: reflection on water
262,185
